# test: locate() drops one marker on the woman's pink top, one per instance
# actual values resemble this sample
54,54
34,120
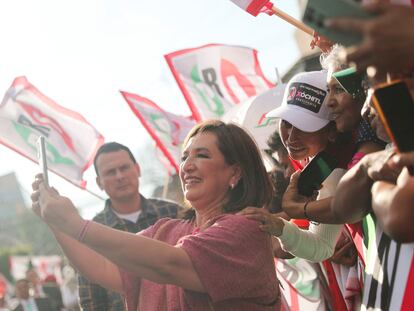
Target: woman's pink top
232,257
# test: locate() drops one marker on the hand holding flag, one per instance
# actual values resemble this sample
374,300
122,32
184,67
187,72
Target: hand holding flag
254,7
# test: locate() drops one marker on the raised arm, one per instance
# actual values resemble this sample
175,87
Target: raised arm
352,200
388,39
144,257
96,268
315,244
295,204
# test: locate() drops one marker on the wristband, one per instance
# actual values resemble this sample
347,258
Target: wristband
84,230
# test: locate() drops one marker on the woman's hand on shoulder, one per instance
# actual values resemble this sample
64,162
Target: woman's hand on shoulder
269,222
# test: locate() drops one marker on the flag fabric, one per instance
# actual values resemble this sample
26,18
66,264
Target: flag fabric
251,115
167,129
253,7
302,285
214,78
71,142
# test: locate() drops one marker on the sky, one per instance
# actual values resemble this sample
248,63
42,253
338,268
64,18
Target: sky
81,53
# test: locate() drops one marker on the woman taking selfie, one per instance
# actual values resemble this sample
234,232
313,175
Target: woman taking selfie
212,260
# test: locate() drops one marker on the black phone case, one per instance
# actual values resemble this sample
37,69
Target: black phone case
313,174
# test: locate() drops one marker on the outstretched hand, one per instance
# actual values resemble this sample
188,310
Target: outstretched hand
379,166
388,38
324,44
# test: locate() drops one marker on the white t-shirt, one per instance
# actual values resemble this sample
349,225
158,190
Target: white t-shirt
133,217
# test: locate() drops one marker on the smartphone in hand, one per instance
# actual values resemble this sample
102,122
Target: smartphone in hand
395,107
317,11
42,160
313,174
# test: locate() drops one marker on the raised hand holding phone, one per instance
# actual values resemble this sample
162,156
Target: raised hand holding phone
313,174
42,159
395,106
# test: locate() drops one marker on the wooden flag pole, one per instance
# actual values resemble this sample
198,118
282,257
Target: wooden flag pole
292,21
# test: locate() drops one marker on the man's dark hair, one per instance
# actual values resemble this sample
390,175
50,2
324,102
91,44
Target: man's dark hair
111,147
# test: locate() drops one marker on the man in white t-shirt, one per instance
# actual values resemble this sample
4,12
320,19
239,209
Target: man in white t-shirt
117,173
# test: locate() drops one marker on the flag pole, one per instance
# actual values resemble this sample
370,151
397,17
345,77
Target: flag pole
94,194
166,185
292,20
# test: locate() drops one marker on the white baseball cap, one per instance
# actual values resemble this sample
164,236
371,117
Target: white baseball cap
304,103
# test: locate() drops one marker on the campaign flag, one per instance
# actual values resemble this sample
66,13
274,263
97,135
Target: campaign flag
167,129
214,77
302,285
71,142
251,115
253,7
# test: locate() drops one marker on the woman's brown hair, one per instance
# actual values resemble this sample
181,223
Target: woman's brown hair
238,148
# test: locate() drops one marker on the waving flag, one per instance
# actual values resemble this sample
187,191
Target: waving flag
251,114
71,142
167,129
253,7
214,78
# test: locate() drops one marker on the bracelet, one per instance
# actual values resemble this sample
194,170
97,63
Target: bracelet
84,230
305,213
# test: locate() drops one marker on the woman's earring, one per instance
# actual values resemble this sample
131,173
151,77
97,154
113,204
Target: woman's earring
232,186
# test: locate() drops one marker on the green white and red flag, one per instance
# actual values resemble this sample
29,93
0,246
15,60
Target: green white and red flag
215,77
251,114
71,141
167,129
254,7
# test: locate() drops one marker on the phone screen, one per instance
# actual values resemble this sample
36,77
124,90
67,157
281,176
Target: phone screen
395,106
313,174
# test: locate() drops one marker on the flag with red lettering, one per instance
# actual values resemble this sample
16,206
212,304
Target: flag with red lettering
253,7
167,129
214,78
71,142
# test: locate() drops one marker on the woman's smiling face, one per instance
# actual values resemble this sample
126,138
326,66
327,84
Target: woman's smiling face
300,144
205,175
